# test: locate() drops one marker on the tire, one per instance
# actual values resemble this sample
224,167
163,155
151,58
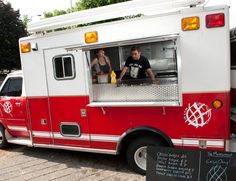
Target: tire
3,140
137,150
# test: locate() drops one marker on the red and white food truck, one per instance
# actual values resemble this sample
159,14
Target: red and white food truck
54,101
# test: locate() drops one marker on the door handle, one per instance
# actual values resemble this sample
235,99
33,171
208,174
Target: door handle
43,121
18,103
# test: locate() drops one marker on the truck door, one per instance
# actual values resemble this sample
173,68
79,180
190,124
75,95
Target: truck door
68,97
13,107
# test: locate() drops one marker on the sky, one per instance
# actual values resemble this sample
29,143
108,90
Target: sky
37,7
33,8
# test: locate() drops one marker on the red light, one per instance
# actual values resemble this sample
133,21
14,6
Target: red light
215,20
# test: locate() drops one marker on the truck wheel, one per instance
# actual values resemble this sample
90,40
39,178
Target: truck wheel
137,153
3,140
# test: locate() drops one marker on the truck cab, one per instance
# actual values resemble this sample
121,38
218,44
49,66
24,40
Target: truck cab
13,112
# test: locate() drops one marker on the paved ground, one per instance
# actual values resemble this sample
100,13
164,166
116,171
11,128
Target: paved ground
19,163
37,164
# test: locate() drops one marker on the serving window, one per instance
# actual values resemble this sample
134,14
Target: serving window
163,59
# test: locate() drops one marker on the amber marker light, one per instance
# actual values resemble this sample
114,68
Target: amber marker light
190,23
91,37
217,104
25,47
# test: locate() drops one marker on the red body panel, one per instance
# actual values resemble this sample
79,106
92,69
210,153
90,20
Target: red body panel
103,127
170,120
104,145
75,143
115,121
67,109
38,108
14,115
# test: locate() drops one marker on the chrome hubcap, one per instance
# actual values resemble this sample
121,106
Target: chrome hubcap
140,157
1,137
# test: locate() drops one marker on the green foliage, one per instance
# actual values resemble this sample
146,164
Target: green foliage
82,5
11,29
54,13
87,4
25,20
48,14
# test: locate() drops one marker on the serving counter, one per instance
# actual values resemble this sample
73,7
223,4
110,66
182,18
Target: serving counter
161,93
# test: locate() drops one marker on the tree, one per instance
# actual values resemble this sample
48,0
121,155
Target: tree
82,5
55,13
25,20
11,29
87,4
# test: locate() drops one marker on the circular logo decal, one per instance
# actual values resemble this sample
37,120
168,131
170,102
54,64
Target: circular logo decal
197,114
7,107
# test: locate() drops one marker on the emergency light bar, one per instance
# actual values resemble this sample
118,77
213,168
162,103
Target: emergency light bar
128,8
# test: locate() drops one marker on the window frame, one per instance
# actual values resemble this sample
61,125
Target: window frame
70,124
161,38
63,67
8,81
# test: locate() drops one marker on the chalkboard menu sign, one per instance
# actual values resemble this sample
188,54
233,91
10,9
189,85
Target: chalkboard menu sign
172,164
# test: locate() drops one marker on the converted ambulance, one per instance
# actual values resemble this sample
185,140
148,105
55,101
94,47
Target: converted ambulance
57,101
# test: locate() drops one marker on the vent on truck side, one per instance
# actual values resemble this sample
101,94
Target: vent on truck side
70,129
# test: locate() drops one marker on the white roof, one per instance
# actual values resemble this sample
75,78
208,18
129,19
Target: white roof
129,8
16,73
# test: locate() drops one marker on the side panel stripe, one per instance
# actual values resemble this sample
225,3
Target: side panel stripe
217,143
41,134
17,128
110,138
92,150
81,137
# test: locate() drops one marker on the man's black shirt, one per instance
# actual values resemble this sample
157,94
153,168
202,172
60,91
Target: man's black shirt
137,68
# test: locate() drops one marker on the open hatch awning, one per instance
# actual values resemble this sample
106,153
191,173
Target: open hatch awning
129,8
87,47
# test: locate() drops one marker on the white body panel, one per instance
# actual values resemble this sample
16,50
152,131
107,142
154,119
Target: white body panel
204,53
205,56
55,87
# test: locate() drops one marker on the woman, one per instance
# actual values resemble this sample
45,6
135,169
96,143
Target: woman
101,63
